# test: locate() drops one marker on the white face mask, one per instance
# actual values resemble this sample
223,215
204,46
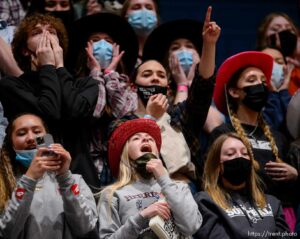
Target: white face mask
277,75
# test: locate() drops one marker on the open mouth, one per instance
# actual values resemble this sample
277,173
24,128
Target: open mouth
146,148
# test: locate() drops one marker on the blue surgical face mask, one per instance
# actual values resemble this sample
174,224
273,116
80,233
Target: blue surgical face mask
25,156
142,21
185,59
103,52
277,75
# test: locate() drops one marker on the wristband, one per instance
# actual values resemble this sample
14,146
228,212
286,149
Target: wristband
106,72
182,88
150,117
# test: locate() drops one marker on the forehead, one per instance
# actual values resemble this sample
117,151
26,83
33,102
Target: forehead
251,70
279,20
232,143
99,35
181,41
133,2
273,52
151,65
140,134
45,25
26,121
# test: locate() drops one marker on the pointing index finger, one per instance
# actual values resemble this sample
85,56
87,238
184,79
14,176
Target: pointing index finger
208,14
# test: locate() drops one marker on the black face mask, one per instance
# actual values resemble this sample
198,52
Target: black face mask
144,92
256,96
237,171
288,42
140,165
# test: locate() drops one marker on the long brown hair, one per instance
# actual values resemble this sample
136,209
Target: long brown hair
211,176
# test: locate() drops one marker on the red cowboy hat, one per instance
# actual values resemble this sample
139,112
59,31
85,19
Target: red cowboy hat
123,132
232,64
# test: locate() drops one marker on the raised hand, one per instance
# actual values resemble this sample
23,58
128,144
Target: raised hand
211,31
287,71
176,70
92,62
116,58
41,163
63,156
93,7
156,167
57,51
157,105
191,73
44,52
210,34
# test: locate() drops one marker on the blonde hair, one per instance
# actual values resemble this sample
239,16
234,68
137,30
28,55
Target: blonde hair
261,123
125,177
7,178
211,176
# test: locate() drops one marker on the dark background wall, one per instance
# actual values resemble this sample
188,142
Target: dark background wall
237,18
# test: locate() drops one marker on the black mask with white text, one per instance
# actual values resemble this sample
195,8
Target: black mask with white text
237,170
145,92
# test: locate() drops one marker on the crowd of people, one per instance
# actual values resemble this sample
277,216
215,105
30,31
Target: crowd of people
149,138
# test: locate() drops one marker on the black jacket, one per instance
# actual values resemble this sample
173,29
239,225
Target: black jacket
65,104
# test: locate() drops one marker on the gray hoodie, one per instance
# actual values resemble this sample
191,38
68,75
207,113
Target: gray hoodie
121,218
53,207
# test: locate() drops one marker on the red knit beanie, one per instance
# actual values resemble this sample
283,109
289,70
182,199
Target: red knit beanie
123,132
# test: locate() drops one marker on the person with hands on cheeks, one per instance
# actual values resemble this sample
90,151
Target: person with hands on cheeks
179,45
241,92
126,206
107,53
38,191
233,203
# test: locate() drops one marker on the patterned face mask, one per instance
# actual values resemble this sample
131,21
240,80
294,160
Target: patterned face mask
185,58
103,52
142,21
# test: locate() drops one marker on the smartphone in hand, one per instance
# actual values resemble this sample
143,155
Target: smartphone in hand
44,142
